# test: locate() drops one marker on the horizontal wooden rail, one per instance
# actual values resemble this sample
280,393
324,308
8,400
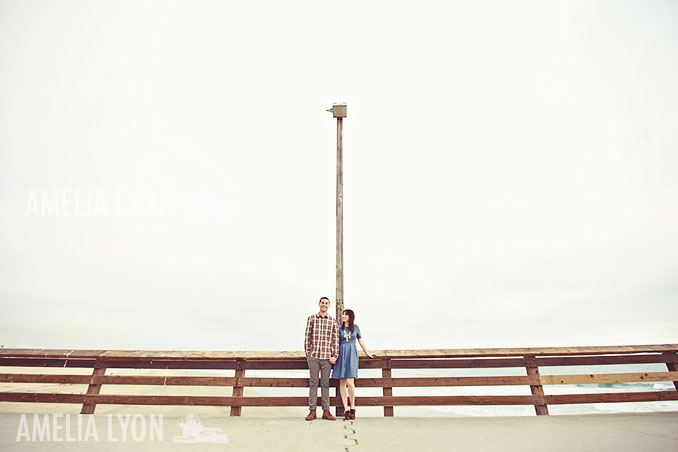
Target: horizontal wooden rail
366,401
284,355
364,363
268,382
390,362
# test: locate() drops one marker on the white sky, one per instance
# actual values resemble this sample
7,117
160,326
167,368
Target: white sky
510,172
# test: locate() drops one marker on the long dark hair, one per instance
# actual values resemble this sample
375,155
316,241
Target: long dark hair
351,318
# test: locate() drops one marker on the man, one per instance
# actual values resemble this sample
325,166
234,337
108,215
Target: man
322,350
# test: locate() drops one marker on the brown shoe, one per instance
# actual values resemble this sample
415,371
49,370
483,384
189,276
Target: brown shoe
327,415
311,415
352,414
347,415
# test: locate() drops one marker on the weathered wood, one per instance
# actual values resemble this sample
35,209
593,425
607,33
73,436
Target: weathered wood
426,359
39,378
115,399
536,388
128,364
280,382
205,364
364,362
300,355
238,389
443,381
41,397
89,406
454,363
672,359
339,292
51,353
100,399
531,351
581,379
151,354
387,390
156,380
444,400
46,362
276,365
168,364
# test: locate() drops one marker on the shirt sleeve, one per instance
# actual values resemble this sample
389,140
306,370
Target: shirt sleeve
334,347
357,331
308,335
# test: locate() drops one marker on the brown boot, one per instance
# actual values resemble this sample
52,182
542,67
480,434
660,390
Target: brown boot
327,415
311,415
352,414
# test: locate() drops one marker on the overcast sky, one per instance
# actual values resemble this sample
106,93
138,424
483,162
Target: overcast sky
167,172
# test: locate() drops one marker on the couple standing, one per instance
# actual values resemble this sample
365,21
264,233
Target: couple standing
328,344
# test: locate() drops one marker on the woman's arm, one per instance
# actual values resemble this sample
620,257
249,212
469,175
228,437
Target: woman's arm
364,347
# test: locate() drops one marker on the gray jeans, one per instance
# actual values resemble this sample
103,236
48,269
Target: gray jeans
323,367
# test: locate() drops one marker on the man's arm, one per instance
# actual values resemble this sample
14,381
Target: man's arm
308,335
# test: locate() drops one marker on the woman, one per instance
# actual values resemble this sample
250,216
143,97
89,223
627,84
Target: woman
346,368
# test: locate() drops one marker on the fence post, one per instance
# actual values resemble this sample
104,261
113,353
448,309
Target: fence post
536,387
237,387
88,406
387,391
671,365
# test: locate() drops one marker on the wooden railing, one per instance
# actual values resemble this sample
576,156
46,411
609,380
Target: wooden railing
530,359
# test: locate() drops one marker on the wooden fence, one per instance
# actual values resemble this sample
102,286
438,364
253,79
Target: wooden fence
529,359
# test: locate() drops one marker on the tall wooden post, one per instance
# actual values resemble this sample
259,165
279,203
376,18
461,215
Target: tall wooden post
339,112
340,222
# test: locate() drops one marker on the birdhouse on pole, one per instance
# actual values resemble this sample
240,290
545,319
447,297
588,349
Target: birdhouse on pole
338,110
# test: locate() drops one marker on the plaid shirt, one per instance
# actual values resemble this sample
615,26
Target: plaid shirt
322,337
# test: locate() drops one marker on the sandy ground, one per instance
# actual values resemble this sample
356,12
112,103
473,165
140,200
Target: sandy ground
646,432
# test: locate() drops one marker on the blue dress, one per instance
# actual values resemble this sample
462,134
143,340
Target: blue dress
347,363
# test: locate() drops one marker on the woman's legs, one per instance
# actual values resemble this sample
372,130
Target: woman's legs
351,391
342,391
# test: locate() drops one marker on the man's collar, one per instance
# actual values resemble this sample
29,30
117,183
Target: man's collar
323,316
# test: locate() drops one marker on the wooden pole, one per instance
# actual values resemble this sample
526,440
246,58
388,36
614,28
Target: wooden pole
340,237
387,391
672,367
535,387
93,389
340,223
238,387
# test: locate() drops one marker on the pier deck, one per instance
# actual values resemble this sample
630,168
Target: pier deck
647,432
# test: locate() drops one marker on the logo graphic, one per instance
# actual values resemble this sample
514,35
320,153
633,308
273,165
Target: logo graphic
192,431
